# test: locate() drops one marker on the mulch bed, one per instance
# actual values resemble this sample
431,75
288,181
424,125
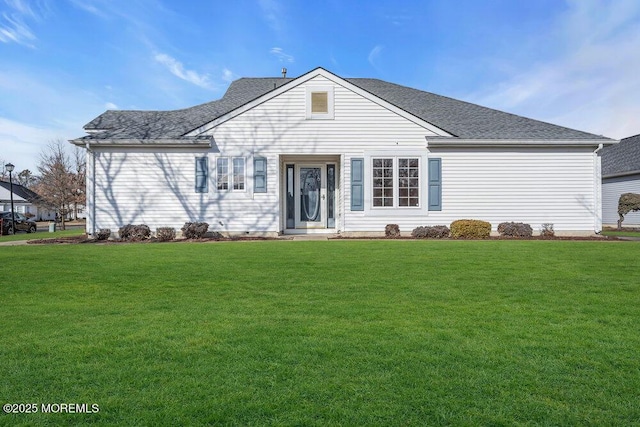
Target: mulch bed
84,239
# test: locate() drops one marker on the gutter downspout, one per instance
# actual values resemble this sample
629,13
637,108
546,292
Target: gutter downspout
91,191
597,189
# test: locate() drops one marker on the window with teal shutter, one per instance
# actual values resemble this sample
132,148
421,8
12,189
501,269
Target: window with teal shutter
357,184
260,175
202,175
435,184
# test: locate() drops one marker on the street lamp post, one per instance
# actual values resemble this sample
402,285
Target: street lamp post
9,167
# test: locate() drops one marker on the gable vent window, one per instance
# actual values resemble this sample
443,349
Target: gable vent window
320,102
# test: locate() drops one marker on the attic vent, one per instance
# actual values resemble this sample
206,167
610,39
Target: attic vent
319,102
284,73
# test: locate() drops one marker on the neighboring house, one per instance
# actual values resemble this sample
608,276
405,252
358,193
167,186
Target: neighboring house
620,174
25,201
326,154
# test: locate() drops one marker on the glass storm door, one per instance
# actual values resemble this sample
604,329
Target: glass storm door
311,198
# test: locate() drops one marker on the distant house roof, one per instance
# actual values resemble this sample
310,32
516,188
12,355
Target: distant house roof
622,158
20,191
459,118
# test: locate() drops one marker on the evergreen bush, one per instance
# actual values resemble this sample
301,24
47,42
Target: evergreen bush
470,229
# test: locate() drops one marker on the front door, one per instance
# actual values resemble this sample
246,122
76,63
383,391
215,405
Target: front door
310,202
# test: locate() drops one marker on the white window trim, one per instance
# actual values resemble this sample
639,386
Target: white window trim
230,175
369,209
330,104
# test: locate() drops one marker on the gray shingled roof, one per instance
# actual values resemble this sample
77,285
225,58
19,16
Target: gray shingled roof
459,118
621,158
175,123
21,191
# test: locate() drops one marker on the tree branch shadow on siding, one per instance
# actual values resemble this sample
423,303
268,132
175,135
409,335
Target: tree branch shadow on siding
111,167
223,210
255,135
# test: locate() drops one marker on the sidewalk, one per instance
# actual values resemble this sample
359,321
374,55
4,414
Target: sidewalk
15,243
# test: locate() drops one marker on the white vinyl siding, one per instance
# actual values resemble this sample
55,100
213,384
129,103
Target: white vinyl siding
532,185
612,188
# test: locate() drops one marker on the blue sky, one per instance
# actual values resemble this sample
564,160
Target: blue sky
62,62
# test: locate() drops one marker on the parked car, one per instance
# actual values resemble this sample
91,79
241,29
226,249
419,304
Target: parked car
22,223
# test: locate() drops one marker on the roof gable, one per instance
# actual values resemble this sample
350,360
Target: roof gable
346,83
445,116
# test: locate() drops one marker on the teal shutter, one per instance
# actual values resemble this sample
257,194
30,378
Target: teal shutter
435,184
357,184
202,175
260,175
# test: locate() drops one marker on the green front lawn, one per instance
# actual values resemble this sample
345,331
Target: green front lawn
324,333
621,233
21,235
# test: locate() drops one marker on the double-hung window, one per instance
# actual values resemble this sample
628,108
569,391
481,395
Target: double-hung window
231,173
396,182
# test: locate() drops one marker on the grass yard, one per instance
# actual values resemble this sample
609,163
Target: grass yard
324,333
41,235
622,233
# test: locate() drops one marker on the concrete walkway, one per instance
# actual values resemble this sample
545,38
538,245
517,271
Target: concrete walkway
14,243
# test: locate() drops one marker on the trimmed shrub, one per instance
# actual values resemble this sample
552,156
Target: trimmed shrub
103,234
194,230
628,202
165,234
470,229
392,231
433,232
134,232
547,230
515,229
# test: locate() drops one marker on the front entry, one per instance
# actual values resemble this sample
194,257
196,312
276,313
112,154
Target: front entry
311,196
310,203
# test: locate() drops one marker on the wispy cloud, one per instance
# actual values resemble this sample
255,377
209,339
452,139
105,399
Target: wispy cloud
374,55
272,12
228,75
589,84
13,23
281,55
110,106
89,7
176,68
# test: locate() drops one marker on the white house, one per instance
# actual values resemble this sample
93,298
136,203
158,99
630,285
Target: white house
620,174
25,201
326,154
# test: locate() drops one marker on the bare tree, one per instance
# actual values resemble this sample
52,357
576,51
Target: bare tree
4,175
26,178
58,183
80,174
